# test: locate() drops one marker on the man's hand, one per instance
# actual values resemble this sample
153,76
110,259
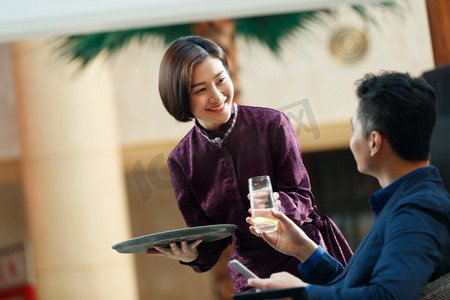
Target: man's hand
288,239
281,280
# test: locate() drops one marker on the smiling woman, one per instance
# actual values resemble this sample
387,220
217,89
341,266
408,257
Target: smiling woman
228,144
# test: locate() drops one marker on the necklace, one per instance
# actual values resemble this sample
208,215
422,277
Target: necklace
218,139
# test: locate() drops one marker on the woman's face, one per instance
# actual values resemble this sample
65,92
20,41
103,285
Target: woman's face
211,93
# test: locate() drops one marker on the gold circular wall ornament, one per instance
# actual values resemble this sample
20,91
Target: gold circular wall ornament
348,44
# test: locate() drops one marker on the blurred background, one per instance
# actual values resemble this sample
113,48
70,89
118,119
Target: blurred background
84,136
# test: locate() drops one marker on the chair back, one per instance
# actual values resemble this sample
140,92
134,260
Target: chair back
438,289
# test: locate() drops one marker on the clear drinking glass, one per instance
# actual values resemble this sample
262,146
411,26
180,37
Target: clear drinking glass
261,203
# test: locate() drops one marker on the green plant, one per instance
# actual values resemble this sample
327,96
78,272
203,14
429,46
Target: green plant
268,30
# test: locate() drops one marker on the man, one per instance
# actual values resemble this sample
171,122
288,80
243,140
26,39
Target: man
409,242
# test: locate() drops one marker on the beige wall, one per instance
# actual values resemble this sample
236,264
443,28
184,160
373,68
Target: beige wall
308,70
304,70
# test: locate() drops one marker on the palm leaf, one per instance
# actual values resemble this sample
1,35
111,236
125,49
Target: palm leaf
268,30
271,30
366,15
85,48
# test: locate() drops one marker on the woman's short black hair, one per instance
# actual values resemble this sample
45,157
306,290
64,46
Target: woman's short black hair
175,72
401,108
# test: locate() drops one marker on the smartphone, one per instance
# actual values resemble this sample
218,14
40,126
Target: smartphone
242,269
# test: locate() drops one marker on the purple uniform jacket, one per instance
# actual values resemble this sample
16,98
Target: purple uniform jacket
210,184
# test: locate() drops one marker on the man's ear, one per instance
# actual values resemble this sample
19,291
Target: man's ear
375,142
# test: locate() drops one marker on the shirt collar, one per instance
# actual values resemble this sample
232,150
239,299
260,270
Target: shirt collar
379,199
223,128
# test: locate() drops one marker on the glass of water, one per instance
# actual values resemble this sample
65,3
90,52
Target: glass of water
261,204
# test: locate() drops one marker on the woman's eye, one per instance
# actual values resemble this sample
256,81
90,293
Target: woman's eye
199,91
221,80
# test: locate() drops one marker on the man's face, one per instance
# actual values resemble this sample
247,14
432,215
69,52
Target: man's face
360,146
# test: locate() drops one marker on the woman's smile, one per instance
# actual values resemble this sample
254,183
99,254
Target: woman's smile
219,108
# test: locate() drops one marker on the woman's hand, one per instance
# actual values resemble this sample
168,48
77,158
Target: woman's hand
288,238
186,253
280,280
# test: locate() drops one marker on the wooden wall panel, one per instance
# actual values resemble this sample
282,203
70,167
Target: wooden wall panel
439,20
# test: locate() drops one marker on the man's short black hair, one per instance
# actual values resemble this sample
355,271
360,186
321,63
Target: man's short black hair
401,108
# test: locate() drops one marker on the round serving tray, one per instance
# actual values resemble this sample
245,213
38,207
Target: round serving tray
209,233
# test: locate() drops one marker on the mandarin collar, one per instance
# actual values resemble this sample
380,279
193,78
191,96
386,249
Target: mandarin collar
219,132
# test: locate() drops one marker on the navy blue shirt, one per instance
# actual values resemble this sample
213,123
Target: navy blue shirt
379,199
